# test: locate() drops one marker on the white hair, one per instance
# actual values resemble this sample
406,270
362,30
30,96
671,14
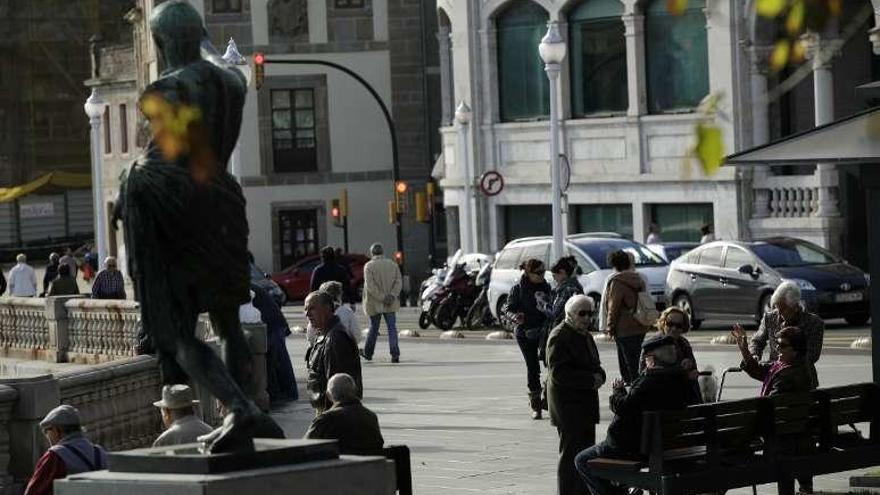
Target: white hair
21,258
664,355
787,292
342,388
576,303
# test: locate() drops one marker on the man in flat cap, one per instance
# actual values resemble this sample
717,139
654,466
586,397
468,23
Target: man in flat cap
663,386
179,417
70,452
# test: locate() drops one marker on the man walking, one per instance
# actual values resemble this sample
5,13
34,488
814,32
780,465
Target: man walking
22,278
382,285
109,283
179,417
331,270
333,352
347,421
71,452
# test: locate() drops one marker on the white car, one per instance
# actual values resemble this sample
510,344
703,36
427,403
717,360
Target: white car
591,253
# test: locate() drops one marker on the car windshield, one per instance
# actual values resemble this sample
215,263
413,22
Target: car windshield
598,250
791,252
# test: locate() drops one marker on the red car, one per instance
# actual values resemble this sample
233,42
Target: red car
295,279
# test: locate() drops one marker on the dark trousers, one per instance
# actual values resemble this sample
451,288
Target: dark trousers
629,349
575,435
599,486
529,348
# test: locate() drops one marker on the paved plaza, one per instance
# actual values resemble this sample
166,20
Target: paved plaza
461,408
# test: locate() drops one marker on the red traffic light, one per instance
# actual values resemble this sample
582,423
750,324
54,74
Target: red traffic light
259,58
398,257
335,212
400,187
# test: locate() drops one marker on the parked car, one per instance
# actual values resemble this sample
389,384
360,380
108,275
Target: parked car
670,251
591,253
735,279
261,279
295,279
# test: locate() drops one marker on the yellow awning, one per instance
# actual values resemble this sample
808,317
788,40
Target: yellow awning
60,180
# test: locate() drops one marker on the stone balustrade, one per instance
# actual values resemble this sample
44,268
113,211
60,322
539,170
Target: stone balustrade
787,196
101,330
24,328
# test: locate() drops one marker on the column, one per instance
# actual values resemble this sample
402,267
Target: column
634,25
447,85
820,56
758,66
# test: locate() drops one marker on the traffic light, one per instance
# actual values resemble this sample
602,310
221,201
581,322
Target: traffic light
421,202
400,197
398,257
259,69
336,213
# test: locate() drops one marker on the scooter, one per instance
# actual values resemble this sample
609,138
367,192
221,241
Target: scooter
458,293
479,316
428,296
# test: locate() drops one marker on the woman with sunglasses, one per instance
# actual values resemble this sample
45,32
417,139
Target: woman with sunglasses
575,375
565,273
522,313
789,373
674,322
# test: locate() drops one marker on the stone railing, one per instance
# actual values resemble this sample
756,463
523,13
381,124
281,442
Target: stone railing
116,401
786,196
24,328
101,330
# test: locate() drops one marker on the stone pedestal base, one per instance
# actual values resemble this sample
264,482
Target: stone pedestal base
346,475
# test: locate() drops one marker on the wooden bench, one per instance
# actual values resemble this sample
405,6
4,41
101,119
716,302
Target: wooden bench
402,467
725,445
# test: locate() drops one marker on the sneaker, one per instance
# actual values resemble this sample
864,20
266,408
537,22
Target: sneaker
395,360
364,355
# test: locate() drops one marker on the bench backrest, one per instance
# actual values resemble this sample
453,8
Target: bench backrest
850,404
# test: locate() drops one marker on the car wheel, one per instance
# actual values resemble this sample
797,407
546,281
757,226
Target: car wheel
763,307
857,320
424,320
683,302
499,308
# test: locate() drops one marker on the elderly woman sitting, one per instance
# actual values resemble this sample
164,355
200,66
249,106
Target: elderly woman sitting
674,322
575,375
787,311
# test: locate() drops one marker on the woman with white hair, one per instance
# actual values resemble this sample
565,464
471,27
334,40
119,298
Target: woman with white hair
575,375
787,311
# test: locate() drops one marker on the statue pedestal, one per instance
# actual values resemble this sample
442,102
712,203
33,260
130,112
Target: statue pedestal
277,467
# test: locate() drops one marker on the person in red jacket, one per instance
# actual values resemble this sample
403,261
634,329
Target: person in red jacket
70,452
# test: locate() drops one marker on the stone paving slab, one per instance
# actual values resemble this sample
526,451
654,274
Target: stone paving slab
462,409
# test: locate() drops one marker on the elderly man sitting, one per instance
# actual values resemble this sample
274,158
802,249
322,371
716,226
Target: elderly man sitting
333,352
179,417
663,386
787,311
348,421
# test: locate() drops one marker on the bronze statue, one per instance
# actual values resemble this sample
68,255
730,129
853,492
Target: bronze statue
185,224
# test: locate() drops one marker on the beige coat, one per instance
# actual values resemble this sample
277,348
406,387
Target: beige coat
620,301
381,278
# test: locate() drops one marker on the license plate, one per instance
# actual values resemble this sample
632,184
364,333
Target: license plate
849,297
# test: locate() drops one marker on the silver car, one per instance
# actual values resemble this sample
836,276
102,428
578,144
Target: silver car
591,253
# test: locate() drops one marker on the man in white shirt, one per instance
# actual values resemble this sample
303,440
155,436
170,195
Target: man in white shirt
179,417
22,278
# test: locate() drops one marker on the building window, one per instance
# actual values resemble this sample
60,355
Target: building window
676,57
298,234
605,218
293,130
123,129
681,222
598,58
108,145
522,83
348,4
227,6
526,221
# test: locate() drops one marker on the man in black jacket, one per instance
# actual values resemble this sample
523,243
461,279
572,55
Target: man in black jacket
330,269
333,352
348,421
663,386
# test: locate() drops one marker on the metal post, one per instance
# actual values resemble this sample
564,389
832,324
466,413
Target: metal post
555,199
100,220
463,114
345,233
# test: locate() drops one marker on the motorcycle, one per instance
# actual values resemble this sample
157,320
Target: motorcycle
479,316
459,292
428,296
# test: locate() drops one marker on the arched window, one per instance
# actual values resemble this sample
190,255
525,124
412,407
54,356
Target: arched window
522,83
598,58
676,57
447,76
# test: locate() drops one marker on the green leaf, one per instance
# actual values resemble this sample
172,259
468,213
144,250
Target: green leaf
710,148
770,8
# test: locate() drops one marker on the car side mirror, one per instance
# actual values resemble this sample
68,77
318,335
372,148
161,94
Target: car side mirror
747,270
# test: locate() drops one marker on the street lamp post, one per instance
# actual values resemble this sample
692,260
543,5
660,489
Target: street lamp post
94,108
463,116
234,58
552,51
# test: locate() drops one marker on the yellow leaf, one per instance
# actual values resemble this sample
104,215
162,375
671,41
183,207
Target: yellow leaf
779,57
770,8
794,23
799,52
676,7
710,148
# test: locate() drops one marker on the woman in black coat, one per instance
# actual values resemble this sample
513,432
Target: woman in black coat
523,314
575,375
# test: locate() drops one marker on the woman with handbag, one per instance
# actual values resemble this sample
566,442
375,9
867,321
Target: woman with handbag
620,303
523,315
